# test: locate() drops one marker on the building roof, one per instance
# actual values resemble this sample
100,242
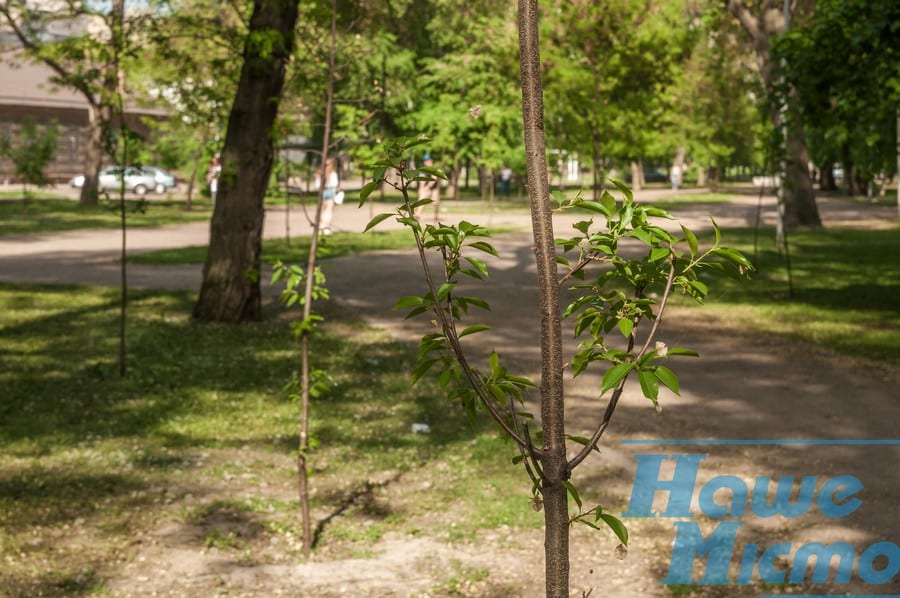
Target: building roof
28,84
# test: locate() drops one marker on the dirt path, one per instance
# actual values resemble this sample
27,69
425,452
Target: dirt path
745,387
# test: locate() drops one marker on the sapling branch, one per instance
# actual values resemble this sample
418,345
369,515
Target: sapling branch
445,319
617,392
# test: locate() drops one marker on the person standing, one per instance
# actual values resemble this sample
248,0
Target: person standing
506,174
429,189
329,191
213,174
676,176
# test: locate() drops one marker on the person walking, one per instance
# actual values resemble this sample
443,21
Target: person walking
329,192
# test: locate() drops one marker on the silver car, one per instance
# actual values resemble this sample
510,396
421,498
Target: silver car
136,180
164,180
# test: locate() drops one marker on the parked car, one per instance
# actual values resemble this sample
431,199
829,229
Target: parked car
651,175
164,180
136,180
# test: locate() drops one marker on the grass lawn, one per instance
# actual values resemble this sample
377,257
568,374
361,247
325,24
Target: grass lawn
297,252
846,290
53,215
200,432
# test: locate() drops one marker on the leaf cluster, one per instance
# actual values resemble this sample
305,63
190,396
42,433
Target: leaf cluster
634,264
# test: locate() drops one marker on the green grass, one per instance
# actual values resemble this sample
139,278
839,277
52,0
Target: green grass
846,290
200,432
54,215
336,245
332,246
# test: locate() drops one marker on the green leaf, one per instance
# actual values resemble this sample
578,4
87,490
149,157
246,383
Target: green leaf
376,221
408,301
583,227
682,351
444,290
573,491
594,206
667,377
485,247
476,301
658,253
473,330
626,191
367,190
421,368
691,239
626,326
478,265
616,526
614,375
609,202
733,256
649,384
583,441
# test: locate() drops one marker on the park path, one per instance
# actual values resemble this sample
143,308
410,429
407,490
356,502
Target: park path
745,386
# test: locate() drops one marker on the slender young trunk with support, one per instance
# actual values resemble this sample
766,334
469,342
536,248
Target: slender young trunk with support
553,450
305,380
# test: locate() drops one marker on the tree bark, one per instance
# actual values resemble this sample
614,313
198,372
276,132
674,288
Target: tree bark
637,176
553,451
230,290
799,198
93,157
800,209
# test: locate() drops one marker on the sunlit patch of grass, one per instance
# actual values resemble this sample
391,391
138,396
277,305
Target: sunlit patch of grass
200,432
45,215
843,292
295,251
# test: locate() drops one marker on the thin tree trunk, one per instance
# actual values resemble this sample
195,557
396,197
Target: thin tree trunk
553,450
306,381
230,291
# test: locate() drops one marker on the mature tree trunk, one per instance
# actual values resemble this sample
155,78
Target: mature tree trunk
826,176
553,449
230,290
799,197
637,176
93,157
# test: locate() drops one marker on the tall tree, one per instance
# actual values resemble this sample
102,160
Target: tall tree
82,59
712,108
608,66
188,68
230,290
466,99
763,21
844,62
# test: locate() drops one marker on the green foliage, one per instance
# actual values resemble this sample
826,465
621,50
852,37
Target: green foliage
32,151
843,64
626,293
